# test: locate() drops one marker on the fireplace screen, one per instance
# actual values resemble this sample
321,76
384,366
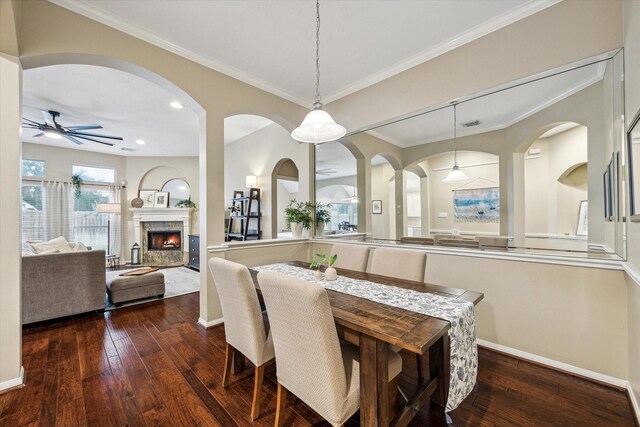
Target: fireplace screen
164,240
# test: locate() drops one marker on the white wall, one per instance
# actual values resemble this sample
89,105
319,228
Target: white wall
257,154
631,30
382,225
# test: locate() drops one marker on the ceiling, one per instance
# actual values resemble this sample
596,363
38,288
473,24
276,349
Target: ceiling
271,44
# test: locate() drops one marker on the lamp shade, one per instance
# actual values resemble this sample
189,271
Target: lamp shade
108,208
455,175
251,180
318,127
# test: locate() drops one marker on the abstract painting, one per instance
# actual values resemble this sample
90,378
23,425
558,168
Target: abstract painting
477,205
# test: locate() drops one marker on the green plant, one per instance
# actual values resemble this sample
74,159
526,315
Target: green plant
299,212
321,259
323,213
234,209
186,204
77,181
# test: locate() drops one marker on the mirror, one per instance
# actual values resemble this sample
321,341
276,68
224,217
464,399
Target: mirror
534,153
178,190
633,148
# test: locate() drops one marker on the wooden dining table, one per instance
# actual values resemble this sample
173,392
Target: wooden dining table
374,327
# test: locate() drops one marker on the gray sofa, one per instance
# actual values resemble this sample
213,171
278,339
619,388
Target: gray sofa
62,284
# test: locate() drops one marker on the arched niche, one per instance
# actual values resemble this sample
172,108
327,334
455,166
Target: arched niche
285,185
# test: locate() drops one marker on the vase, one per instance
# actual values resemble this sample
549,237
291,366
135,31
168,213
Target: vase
330,274
296,230
320,229
317,276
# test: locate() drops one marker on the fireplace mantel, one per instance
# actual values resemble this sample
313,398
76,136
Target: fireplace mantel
141,215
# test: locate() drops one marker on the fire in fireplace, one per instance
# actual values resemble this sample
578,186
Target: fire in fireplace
164,240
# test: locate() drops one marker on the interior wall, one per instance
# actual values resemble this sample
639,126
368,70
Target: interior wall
441,194
257,154
10,259
552,207
381,224
631,31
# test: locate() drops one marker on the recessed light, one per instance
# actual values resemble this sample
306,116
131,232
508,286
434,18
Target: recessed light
177,105
140,142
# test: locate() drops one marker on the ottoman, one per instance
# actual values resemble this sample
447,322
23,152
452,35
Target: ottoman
127,288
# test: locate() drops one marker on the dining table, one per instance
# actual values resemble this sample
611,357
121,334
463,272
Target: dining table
374,327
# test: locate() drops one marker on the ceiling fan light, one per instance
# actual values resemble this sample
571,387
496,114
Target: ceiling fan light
318,126
53,134
455,175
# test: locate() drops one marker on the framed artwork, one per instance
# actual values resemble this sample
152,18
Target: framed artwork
608,196
583,218
148,197
161,199
376,207
633,158
477,205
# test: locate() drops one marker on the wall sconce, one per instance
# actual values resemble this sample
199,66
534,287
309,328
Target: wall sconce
251,181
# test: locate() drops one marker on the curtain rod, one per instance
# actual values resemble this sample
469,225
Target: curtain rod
96,184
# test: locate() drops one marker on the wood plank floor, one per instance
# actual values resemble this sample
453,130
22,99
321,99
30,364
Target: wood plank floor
152,364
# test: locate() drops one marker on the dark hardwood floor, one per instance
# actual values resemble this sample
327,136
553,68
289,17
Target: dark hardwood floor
151,364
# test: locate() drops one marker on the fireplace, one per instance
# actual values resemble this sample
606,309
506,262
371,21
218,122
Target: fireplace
164,240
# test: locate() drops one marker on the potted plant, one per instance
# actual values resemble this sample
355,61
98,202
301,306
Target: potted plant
298,215
187,203
323,216
321,259
76,181
235,210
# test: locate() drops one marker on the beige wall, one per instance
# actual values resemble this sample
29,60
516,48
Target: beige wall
10,261
257,154
631,29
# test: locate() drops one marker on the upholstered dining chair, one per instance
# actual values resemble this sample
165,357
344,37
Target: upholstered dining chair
493,242
310,360
459,243
417,240
351,257
245,327
398,263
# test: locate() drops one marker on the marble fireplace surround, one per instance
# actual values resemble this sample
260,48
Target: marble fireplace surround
180,218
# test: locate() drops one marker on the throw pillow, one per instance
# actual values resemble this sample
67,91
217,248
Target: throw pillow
78,247
59,243
49,252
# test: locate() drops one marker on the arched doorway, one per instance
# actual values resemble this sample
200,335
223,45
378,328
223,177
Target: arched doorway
285,186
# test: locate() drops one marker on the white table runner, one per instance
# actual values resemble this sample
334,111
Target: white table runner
462,334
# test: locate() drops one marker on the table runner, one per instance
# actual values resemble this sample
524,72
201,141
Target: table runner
462,334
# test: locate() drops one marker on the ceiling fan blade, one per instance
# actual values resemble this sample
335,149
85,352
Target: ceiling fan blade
30,126
94,140
72,139
94,135
37,135
84,127
48,118
24,119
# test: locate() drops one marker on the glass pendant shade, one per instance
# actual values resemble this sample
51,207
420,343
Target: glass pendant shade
455,175
318,127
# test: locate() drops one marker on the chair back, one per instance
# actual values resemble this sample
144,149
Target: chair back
399,263
417,240
460,243
243,322
351,257
308,357
493,241
438,236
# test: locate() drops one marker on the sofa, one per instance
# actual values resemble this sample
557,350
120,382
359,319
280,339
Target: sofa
62,284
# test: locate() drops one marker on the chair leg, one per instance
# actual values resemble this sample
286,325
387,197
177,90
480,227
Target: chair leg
419,364
228,359
257,392
280,404
393,398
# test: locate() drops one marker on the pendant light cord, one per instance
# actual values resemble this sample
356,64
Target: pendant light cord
455,150
317,104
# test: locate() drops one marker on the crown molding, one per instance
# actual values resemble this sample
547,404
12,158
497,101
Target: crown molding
468,36
89,10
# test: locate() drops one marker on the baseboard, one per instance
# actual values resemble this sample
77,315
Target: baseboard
606,379
634,403
5,385
210,323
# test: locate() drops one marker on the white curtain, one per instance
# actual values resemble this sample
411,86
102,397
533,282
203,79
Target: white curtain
115,242
58,205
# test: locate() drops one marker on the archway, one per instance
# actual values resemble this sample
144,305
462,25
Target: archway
285,186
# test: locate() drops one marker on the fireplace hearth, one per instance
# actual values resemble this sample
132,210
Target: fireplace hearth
164,240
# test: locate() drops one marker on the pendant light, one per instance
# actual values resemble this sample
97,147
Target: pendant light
455,174
318,126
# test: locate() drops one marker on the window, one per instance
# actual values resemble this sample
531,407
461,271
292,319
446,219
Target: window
343,213
33,220
88,226
33,168
91,174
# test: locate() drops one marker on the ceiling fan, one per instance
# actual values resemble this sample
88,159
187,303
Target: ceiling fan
53,129
326,171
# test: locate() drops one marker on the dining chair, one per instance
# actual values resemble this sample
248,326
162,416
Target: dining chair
351,257
398,263
494,242
438,236
311,362
459,243
245,327
417,240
